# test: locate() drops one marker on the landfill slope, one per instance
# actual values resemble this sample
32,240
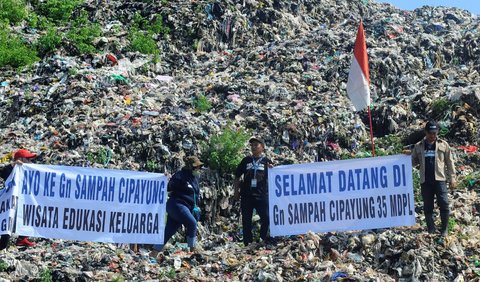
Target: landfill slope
278,69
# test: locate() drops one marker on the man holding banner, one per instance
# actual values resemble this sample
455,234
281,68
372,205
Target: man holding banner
254,189
435,159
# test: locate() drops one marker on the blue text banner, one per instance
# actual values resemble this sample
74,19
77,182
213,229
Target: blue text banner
89,204
341,195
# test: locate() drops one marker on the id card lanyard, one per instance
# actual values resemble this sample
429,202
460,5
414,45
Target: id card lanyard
255,166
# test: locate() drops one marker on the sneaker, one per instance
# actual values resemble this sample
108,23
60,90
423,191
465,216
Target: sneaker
153,253
24,242
197,249
156,256
441,241
271,241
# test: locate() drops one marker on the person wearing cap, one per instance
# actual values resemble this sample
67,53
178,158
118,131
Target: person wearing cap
20,157
253,190
435,160
182,204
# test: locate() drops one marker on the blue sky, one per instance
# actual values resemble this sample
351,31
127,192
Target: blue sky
472,6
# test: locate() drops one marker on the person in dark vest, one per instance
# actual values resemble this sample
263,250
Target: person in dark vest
435,160
253,190
20,157
182,204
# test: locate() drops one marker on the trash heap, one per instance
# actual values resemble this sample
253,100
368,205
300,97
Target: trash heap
278,69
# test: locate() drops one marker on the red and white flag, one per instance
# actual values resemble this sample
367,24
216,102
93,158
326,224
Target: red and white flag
358,85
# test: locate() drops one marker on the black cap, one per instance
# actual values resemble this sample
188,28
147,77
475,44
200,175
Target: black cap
257,139
432,126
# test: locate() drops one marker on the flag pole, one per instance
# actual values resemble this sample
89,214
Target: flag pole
371,131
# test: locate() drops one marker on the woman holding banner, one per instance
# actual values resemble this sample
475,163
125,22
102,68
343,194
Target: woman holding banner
182,203
21,156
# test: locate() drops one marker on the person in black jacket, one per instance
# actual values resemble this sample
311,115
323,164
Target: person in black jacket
253,190
182,204
21,156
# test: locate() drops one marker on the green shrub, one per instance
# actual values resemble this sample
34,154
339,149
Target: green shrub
440,107
470,181
36,21
223,152
451,225
392,144
118,278
48,42
157,26
143,43
202,104
13,10
3,266
13,51
142,35
151,165
138,22
195,45
46,275
167,273
83,33
59,10
417,190
102,156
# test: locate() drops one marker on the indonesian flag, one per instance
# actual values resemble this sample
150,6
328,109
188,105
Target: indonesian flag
358,79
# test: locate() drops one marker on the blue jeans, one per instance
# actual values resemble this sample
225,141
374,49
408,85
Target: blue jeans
177,214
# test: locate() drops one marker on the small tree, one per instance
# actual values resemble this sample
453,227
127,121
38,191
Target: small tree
223,151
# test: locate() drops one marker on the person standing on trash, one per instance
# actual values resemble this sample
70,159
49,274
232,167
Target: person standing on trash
182,204
253,190
20,157
435,160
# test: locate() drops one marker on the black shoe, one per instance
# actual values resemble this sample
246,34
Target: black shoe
5,238
271,241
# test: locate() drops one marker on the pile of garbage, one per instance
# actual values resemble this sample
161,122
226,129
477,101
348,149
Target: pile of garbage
278,69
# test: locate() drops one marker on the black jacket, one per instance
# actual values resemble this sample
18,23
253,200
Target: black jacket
184,186
5,172
251,168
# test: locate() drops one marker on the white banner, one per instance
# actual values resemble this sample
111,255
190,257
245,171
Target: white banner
103,205
341,195
8,205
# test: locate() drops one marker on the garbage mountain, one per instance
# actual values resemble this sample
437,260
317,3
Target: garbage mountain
139,85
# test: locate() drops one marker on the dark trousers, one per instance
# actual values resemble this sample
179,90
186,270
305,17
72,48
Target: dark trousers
430,191
178,214
4,241
247,206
